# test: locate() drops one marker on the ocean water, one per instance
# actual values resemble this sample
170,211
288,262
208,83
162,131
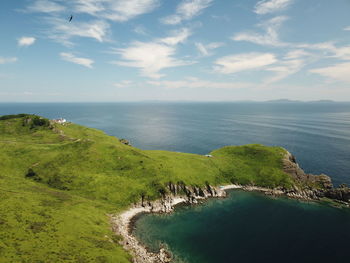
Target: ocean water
249,228
318,134
246,227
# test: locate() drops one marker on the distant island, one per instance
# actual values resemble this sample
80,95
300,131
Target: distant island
69,193
299,101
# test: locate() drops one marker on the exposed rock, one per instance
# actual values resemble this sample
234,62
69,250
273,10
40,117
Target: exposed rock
341,193
313,186
307,187
291,167
125,141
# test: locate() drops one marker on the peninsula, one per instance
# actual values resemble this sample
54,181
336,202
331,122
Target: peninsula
68,192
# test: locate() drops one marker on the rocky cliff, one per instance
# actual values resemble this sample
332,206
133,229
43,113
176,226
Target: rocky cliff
306,187
310,186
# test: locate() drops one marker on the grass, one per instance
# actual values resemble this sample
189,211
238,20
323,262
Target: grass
59,182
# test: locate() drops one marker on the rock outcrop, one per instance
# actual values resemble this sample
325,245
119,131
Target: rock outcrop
125,141
310,186
306,187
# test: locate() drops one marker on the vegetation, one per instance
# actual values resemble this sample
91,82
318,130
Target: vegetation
58,183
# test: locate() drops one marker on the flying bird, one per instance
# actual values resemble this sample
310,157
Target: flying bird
71,17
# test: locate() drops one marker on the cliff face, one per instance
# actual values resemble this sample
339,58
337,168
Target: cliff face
312,186
307,186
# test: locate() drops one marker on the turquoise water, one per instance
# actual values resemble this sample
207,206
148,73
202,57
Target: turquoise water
250,227
247,227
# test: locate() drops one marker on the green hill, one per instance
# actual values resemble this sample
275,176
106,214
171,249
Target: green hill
59,182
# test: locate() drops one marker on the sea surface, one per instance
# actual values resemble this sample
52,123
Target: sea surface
250,227
246,227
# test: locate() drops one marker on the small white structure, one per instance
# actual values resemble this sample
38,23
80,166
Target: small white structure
209,155
60,121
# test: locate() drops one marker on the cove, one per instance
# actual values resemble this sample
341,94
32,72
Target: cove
249,227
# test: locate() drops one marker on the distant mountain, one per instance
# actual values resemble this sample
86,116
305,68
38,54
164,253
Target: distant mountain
324,101
299,101
283,101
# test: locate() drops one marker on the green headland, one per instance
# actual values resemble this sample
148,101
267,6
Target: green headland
59,183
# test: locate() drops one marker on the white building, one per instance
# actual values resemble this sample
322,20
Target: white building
60,120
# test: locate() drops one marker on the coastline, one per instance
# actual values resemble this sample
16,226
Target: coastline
122,224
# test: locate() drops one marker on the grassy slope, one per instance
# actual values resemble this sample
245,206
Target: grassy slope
82,174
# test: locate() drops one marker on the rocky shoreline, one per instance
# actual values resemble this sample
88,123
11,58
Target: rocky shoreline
308,187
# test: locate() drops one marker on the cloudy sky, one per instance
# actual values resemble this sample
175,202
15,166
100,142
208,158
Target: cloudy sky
202,50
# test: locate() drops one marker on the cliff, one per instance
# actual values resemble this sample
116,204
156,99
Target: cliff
58,183
310,186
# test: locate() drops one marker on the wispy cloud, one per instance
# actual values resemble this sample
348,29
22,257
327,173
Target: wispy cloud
124,10
347,28
152,57
242,62
337,72
86,62
284,69
8,60
26,41
123,84
45,6
141,30
271,6
116,10
290,64
329,49
186,10
178,36
195,83
206,49
269,37
63,32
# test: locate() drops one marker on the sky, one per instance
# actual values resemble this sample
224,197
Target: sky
171,50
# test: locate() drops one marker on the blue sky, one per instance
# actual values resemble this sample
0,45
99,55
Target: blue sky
202,50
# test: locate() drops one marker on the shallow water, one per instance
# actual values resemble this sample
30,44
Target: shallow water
250,227
246,227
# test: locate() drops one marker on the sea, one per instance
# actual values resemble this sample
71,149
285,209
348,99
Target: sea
245,227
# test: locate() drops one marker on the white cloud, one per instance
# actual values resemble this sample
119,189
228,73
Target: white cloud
86,62
115,10
194,83
186,10
338,72
269,37
347,28
151,57
297,53
62,31
8,60
141,30
123,84
271,6
91,7
242,62
177,37
26,41
329,49
342,53
124,10
205,50
323,46
45,6
284,69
